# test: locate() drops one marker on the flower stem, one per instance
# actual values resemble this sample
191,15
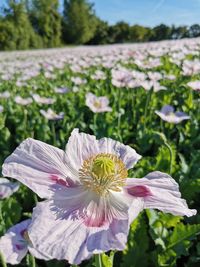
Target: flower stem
162,126
98,261
2,260
95,123
119,116
31,261
25,121
171,156
148,98
53,132
133,107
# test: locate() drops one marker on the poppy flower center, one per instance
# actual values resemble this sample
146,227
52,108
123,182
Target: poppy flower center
103,166
170,114
97,104
103,172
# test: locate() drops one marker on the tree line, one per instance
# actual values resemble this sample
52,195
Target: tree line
29,24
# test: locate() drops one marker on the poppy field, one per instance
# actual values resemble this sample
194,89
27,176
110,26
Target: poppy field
100,156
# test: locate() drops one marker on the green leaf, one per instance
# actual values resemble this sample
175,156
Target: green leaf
178,244
181,233
10,213
135,253
190,188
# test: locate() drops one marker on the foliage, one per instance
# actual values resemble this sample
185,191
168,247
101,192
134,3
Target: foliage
136,252
46,21
16,29
79,21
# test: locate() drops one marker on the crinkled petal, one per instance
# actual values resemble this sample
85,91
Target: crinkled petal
80,147
135,208
12,254
7,188
37,254
37,165
127,154
72,240
13,245
163,193
94,210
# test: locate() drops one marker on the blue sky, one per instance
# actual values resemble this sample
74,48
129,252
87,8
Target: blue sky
148,12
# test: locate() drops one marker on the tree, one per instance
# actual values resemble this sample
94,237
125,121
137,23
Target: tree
101,35
194,31
79,21
16,29
120,32
179,32
7,36
139,33
161,32
46,21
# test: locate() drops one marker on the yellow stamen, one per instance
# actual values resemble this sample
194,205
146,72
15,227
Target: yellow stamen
97,104
103,166
103,172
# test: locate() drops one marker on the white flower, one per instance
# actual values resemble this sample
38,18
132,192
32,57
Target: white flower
195,85
61,90
51,115
167,114
5,94
90,201
23,101
15,244
43,100
97,104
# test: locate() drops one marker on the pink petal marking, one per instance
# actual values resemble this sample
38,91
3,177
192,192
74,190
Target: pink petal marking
139,191
19,247
95,222
23,232
57,180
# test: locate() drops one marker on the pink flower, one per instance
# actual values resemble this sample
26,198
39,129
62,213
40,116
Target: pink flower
23,101
98,75
5,95
43,100
15,244
97,104
121,78
148,84
61,90
90,201
78,80
155,76
51,115
195,85
167,114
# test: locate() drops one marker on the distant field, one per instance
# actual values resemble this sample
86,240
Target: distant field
152,105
